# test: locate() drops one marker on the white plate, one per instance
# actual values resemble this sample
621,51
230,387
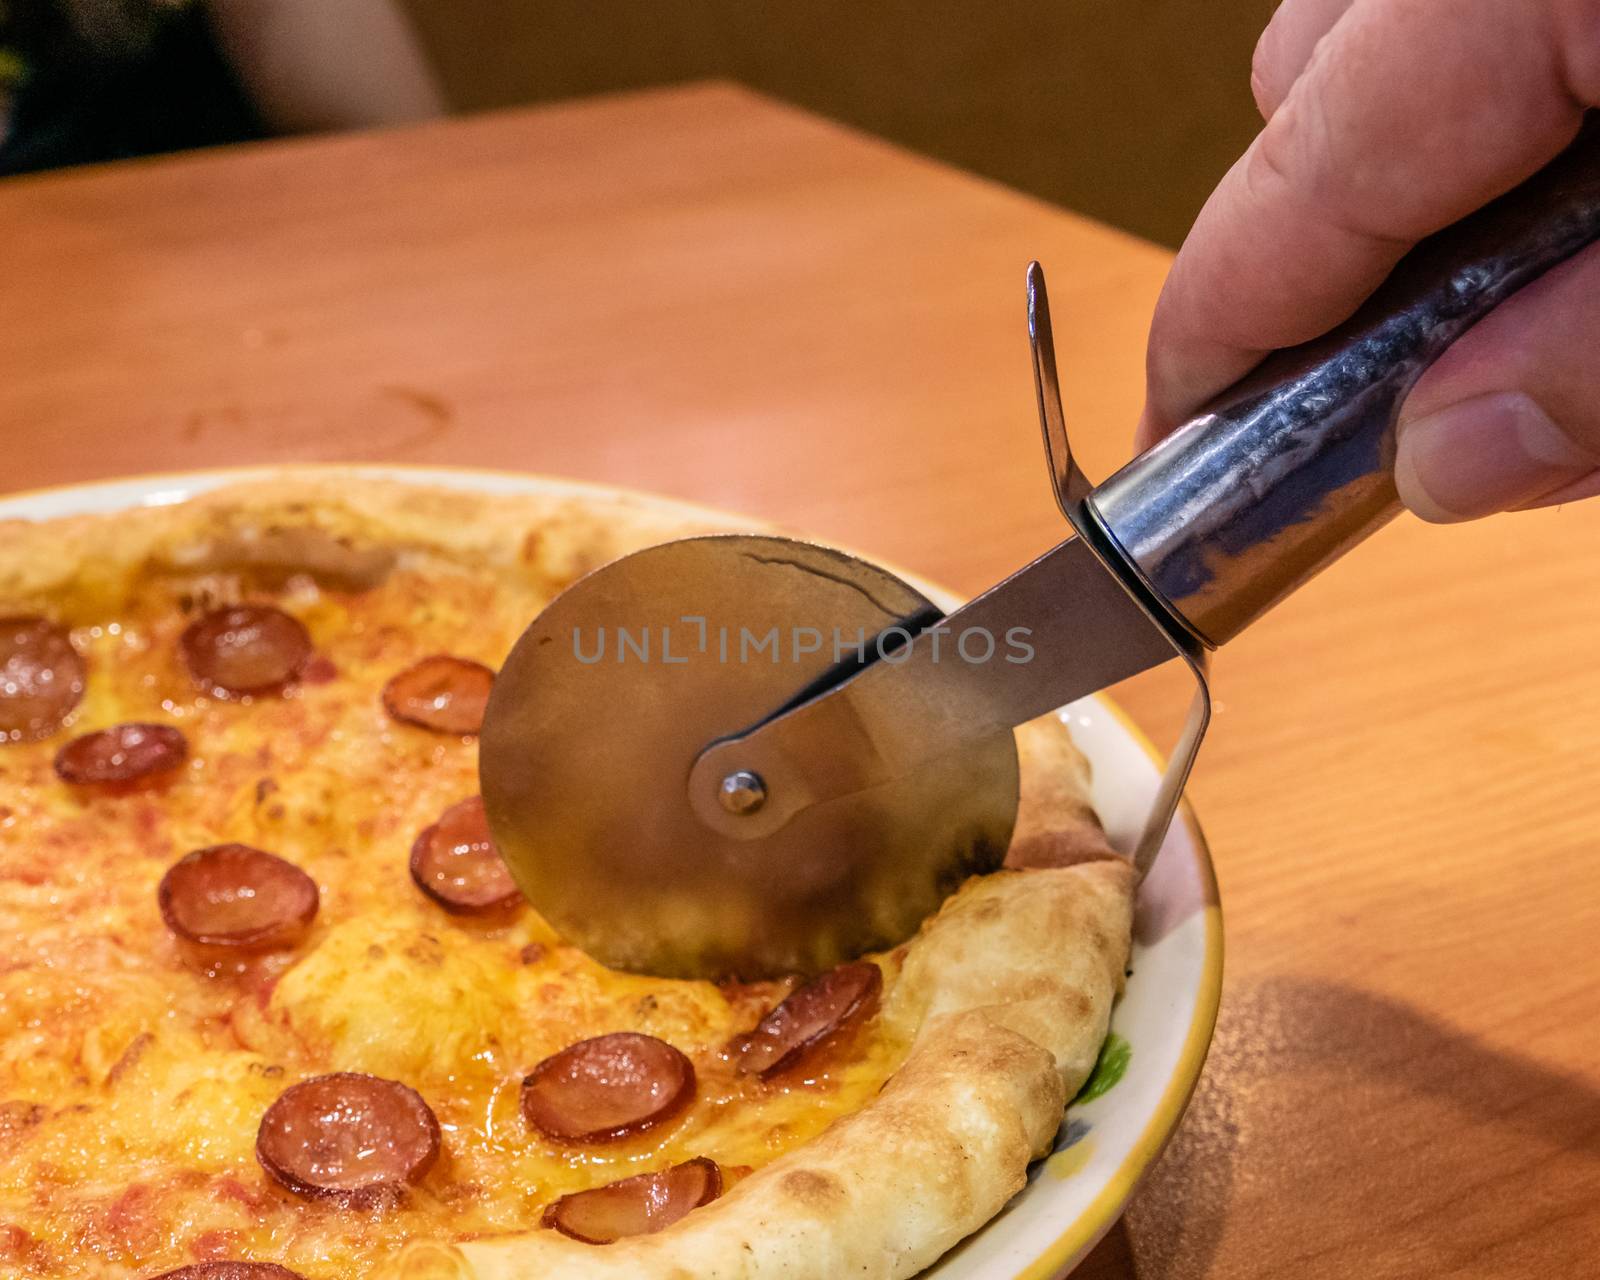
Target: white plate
1165,1018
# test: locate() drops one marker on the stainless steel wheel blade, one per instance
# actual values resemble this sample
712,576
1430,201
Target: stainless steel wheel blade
605,704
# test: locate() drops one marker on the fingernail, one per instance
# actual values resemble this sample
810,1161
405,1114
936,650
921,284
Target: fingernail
1484,455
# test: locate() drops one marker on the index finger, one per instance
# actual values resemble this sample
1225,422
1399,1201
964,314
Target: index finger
1410,115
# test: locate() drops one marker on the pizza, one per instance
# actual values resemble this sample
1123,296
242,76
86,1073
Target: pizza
271,1006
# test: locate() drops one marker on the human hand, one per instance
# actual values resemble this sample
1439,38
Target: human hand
1388,120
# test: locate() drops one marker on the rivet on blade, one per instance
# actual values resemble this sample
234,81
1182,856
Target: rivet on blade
742,792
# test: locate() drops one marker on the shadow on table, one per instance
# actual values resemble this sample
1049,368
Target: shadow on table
1290,1108
1112,1258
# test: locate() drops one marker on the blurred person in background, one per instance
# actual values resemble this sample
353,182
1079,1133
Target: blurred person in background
90,80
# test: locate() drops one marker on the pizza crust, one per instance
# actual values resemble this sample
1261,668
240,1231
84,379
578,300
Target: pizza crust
1012,984
341,527
1006,994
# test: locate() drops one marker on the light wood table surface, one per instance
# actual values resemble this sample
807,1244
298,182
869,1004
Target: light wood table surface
703,293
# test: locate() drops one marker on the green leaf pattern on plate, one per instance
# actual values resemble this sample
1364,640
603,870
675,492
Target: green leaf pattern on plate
1108,1068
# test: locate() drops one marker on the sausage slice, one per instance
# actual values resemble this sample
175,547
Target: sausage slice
41,678
636,1206
349,1137
611,1086
809,1019
247,648
231,1271
455,863
236,897
122,753
443,693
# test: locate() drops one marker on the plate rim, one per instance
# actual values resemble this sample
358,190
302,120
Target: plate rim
1102,1213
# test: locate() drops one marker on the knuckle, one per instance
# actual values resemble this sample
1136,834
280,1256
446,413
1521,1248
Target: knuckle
1267,62
1301,159
1276,166
1262,80
1577,31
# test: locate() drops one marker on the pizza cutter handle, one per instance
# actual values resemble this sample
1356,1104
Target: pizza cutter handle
1294,466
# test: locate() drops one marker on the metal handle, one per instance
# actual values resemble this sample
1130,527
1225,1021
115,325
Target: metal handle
1294,466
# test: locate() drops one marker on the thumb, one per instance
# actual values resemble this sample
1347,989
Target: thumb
1509,418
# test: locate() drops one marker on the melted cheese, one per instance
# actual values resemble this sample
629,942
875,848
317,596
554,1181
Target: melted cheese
131,1084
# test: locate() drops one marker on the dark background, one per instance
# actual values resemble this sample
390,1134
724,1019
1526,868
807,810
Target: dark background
1127,110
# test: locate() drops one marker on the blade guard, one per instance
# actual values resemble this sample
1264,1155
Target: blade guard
1072,490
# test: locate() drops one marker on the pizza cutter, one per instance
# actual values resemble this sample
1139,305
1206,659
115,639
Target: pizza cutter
748,755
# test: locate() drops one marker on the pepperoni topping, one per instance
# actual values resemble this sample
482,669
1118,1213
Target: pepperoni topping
231,1271
122,753
636,1206
351,1137
455,863
811,1017
608,1087
230,895
41,678
441,693
248,648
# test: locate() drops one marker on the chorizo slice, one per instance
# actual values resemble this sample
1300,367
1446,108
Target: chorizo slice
444,694
607,1087
122,753
41,678
237,898
455,862
809,1019
357,1139
245,649
636,1206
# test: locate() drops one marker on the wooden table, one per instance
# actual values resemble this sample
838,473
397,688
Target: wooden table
704,293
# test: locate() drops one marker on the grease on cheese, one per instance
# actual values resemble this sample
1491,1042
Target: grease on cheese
131,1085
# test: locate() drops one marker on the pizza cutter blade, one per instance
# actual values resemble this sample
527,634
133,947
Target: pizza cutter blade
607,702
750,756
